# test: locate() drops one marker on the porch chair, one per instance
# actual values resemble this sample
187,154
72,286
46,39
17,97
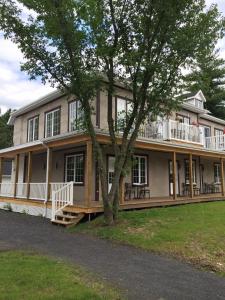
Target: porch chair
143,192
185,189
129,191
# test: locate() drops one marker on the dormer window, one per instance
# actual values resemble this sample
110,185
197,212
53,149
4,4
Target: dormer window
196,102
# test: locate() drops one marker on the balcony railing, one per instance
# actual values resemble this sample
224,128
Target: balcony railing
171,130
215,142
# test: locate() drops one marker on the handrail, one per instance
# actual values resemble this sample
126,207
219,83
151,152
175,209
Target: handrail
62,198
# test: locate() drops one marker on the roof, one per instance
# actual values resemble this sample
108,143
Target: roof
212,118
35,104
189,95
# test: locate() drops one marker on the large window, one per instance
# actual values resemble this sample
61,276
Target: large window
74,170
32,130
218,132
123,109
187,171
217,173
183,119
139,170
52,123
75,115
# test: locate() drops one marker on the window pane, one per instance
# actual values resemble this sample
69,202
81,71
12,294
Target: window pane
75,168
49,125
56,122
139,174
72,116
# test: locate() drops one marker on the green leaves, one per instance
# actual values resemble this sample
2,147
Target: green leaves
6,132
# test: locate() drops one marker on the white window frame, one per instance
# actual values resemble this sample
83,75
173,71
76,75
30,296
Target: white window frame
187,181
74,115
139,183
34,120
52,122
74,175
217,176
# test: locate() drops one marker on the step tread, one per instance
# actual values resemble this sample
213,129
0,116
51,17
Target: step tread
62,222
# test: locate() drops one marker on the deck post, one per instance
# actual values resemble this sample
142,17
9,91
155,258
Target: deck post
222,176
48,173
1,168
29,173
17,159
88,174
174,176
191,175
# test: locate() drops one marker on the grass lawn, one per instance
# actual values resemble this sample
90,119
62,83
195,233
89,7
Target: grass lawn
31,277
194,232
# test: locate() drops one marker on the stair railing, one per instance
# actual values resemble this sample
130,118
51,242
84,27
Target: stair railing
62,198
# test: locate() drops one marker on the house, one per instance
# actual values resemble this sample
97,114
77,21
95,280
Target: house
178,159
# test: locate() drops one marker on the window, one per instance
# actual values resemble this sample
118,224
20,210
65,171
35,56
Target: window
183,119
217,173
139,170
123,108
75,168
218,132
187,171
52,123
32,130
75,115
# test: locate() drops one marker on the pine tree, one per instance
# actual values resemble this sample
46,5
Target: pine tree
208,75
6,131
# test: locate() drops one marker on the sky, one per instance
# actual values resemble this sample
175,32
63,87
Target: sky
17,90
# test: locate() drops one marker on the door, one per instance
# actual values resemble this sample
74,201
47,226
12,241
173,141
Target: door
111,162
171,178
201,168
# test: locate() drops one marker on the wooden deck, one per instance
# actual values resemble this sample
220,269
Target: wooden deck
97,207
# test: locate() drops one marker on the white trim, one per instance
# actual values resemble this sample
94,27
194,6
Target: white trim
74,175
52,122
139,183
34,119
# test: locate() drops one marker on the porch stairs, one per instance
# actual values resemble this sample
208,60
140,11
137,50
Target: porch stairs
62,200
68,217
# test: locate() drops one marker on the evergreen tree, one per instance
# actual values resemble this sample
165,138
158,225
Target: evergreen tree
208,75
6,131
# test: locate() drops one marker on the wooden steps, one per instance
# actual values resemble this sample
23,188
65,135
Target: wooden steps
68,218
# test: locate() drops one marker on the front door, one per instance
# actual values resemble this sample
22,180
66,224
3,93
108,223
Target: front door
111,162
171,178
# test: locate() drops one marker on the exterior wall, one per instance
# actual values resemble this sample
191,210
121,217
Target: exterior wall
211,124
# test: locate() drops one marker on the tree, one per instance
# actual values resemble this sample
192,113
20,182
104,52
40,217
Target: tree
6,132
208,74
78,45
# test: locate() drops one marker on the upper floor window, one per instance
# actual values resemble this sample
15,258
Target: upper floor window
74,170
52,123
32,130
196,102
123,108
183,119
75,115
139,170
218,132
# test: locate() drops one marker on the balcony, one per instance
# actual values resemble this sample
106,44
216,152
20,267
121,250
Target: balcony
215,142
172,130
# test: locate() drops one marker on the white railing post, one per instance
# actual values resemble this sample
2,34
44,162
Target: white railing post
168,129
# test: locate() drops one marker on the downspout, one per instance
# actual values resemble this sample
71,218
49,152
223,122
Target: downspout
46,195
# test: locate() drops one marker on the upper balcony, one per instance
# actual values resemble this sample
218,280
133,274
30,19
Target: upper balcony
172,130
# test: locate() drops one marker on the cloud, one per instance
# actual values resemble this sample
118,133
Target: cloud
15,88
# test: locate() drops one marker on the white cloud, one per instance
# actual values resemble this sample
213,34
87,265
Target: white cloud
15,88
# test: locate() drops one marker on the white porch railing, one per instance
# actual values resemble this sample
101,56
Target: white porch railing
171,130
7,189
21,190
215,142
61,198
184,132
38,191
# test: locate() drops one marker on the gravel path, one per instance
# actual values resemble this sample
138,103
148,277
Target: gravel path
142,275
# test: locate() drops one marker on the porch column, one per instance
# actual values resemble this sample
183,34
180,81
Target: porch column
29,173
1,168
48,173
88,174
174,175
191,175
17,159
222,176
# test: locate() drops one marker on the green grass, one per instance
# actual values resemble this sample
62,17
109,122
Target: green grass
194,232
33,277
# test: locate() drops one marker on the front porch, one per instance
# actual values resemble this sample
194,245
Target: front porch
44,178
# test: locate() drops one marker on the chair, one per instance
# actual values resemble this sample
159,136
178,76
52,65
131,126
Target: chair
143,192
129,191
185,189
